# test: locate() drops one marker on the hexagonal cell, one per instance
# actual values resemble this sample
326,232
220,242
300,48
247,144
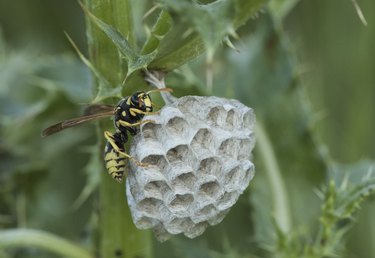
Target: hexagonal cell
156,189
209,166
207,211
202,139
209,189
160,233
246,146
179,225
144,222
248,119
217,115
196,230
234,178
232,119
168,112
226,200
186,180
229,148
150,206
176,169
176,126
248,175
146,148
156,160
180,153
134,187
228,163
181,202
185,105
149,130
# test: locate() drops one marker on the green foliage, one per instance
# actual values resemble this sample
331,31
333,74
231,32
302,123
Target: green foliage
172,44
346,189
134,60
35,92
199,28
53,184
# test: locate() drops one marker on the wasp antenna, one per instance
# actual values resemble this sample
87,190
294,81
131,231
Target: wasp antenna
159,90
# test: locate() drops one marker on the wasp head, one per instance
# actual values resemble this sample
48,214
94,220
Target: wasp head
142,101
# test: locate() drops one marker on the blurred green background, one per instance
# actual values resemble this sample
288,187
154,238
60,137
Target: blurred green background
42,81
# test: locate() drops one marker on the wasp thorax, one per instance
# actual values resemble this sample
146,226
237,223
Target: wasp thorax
198,151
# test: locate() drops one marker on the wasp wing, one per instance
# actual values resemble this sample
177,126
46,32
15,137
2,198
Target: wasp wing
98,108
74,122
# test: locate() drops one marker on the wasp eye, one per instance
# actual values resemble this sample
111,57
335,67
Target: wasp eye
135,99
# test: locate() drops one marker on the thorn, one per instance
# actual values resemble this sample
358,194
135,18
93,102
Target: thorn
234,34
230,44
237,37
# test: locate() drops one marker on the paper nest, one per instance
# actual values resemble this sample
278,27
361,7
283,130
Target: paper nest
199,149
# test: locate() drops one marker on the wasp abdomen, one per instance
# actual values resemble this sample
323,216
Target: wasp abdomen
114,161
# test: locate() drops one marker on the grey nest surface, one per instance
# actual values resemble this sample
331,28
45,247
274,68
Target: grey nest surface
198,151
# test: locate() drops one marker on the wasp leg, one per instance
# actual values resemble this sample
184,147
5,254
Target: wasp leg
124,123
111,141
137,111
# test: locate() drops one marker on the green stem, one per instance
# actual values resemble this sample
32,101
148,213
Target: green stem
102,51
279,194
119,237
36,238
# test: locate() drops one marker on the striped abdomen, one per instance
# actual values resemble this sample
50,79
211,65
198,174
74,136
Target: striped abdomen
114,163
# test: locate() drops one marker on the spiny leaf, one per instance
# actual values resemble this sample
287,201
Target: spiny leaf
358,182
346,189
134,60
210,24
212,21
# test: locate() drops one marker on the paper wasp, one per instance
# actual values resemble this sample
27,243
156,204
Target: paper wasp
127,116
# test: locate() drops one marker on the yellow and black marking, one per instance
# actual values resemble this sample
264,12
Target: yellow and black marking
114,161
128,115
